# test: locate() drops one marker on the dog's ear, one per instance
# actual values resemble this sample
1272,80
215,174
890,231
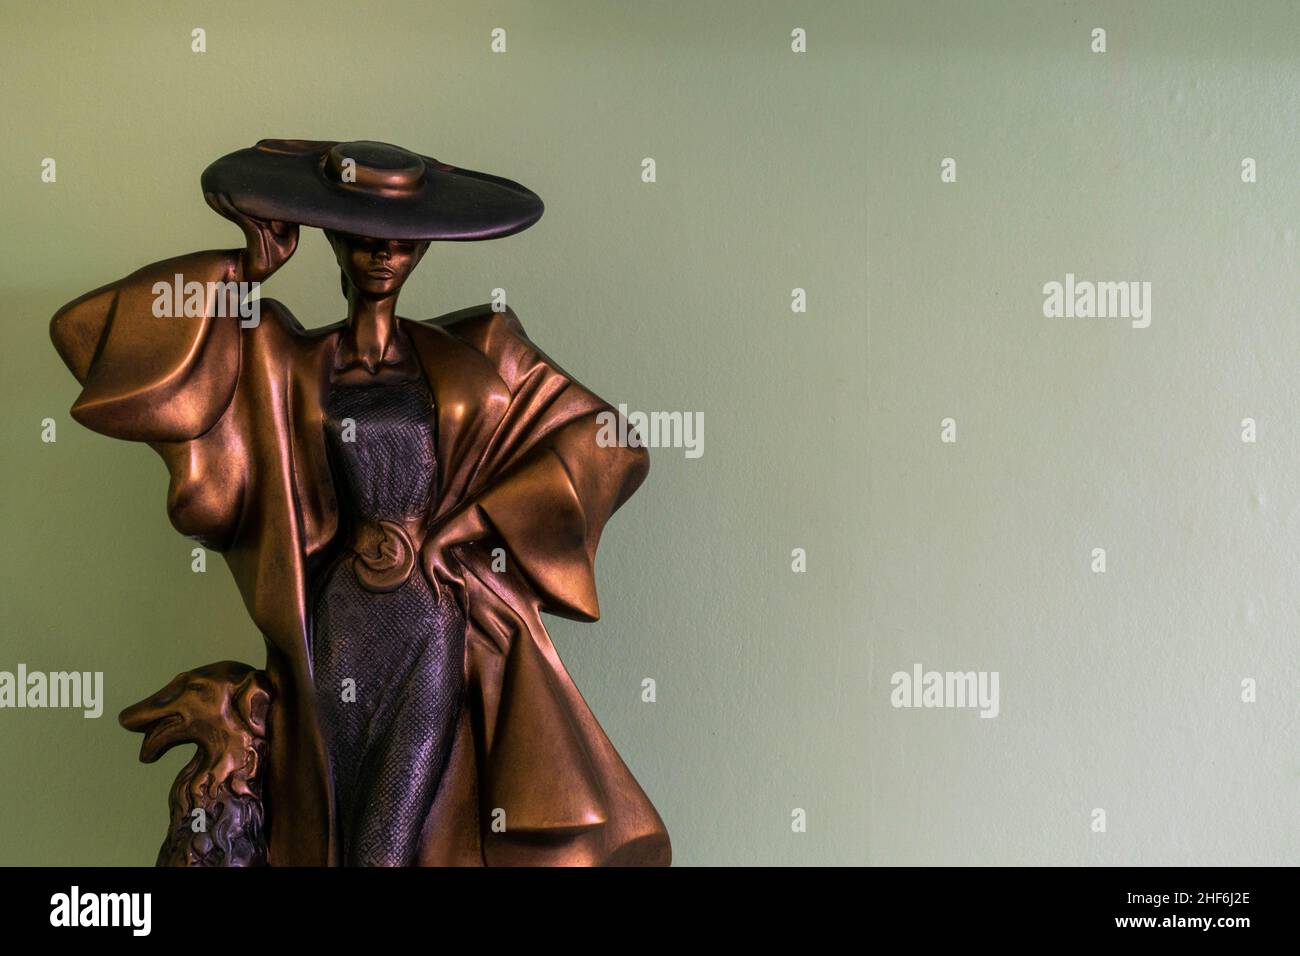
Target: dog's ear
253,702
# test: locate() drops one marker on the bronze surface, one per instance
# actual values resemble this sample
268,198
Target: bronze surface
236,415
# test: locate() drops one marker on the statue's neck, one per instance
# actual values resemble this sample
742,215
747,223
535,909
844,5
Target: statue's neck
371,335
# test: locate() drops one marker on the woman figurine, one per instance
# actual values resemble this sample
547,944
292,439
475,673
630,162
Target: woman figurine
398,502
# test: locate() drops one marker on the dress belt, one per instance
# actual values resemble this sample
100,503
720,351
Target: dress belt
386,552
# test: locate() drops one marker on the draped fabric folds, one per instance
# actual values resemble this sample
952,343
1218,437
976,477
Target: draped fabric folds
236,415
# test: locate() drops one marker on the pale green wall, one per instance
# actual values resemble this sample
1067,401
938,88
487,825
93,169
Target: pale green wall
775,170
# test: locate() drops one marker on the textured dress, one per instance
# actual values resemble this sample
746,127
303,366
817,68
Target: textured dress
388,665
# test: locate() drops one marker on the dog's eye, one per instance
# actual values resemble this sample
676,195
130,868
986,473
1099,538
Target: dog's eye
195,687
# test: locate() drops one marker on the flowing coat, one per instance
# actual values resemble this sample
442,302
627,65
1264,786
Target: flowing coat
237,416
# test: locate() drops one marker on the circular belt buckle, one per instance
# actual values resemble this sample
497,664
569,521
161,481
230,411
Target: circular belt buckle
392,562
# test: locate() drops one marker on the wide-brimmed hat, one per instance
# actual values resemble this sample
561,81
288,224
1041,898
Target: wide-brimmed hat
370,189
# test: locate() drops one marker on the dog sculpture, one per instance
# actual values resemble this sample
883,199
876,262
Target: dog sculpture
216,802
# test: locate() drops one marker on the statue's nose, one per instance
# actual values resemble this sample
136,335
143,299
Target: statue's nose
139,715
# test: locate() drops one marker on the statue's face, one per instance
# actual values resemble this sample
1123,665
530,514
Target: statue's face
376,266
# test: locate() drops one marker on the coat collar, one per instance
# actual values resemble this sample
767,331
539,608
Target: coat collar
470,400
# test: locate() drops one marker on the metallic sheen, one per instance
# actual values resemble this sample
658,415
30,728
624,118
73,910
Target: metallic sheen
503,461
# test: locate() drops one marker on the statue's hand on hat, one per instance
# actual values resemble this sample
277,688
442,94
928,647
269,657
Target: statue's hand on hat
270,243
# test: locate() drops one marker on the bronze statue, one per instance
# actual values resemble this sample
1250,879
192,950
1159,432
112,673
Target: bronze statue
398,501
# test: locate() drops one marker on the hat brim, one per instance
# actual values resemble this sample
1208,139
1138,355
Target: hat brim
452,204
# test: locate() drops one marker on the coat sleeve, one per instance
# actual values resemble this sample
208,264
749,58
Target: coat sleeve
166,379
547,485
146,376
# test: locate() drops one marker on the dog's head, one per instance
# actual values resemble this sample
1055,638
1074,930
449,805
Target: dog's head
222,708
